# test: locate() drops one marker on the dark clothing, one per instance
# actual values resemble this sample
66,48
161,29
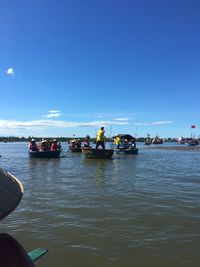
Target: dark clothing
86,144
33,146
100,143
12,254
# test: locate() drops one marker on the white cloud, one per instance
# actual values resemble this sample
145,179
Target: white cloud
122,119
161,122
9,125
54,111
143,123
52,114
10,71
153,123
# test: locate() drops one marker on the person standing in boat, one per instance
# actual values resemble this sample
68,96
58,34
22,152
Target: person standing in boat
101,138
117,141
32,145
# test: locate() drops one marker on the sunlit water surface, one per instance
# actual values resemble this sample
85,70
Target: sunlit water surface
134,210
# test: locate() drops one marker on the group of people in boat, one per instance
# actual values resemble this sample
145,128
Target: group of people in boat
124,143
52,145
76,143
44,145
155,140
100,140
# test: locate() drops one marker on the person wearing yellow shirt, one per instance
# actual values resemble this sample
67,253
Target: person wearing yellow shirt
117,141
101,138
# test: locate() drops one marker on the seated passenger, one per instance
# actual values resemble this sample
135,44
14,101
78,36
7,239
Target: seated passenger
32,145
44,145
59,146
125,144
78,143
87,141
72,143
133,144
54,145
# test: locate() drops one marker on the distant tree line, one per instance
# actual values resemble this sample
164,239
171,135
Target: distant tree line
66,139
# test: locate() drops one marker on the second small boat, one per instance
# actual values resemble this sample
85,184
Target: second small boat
94,153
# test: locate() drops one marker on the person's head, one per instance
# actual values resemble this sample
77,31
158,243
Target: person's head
87,137
102,128
32,140
55,141
11,192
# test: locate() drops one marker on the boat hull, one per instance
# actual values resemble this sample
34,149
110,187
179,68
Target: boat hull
130,151
94,153
127,151
75,149
44,154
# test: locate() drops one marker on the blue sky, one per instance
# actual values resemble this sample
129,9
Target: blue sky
71,66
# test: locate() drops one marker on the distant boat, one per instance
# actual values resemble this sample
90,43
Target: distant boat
192,142
157,141
94,153
148,141
44,154
181,140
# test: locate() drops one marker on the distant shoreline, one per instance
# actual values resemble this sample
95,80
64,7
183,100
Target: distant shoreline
181,147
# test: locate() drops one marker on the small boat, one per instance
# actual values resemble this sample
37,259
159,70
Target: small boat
129,151
127,144
94,153
148,140
192,142
157,141
44,154
181,140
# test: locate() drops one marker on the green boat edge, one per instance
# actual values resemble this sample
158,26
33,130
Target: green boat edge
37,253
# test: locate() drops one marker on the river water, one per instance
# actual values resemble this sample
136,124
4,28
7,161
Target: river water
133,210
